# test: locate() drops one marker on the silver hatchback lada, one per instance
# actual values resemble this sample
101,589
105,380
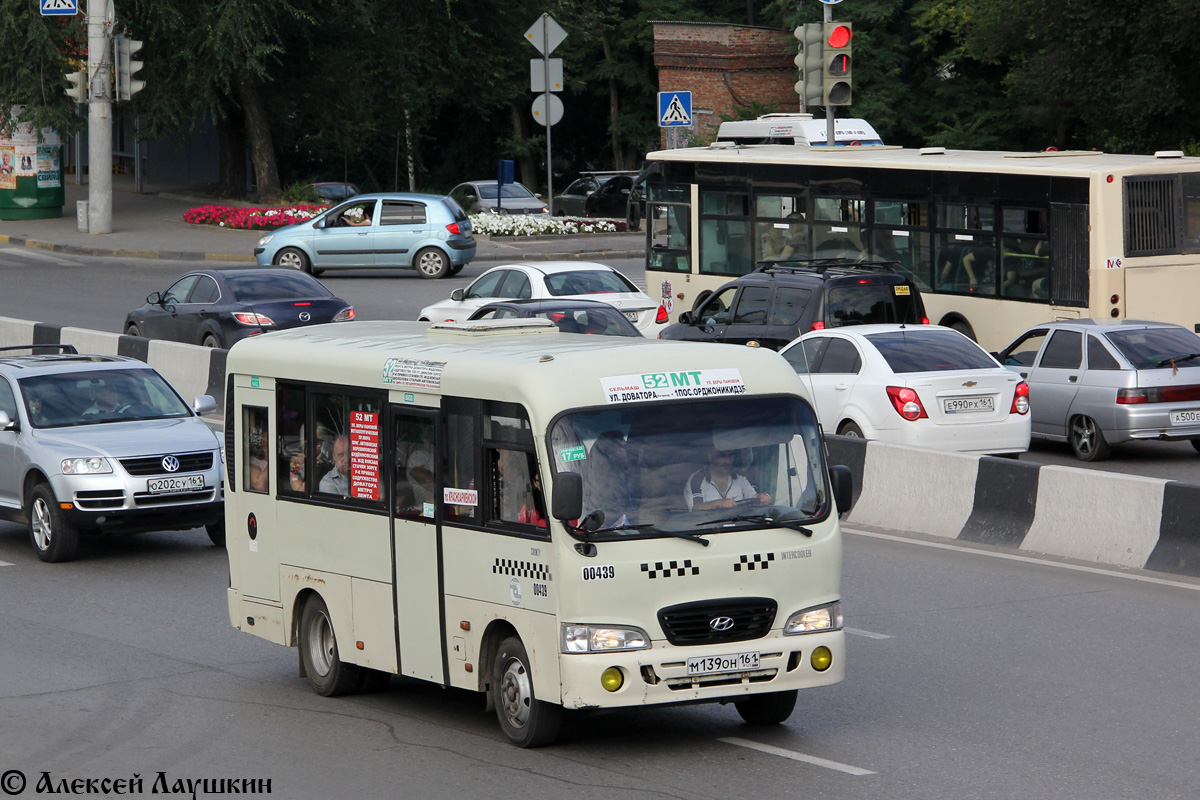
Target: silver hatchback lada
102,443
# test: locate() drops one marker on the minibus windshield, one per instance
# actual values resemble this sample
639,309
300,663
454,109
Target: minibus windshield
703,467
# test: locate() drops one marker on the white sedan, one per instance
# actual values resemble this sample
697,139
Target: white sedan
921,385
551,279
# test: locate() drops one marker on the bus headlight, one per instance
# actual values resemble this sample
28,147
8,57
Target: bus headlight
602,638
813,620
86,466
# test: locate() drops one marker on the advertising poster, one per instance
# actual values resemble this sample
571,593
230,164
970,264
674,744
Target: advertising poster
364,455
8,167
49,172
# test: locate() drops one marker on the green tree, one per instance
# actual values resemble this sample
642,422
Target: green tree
37,51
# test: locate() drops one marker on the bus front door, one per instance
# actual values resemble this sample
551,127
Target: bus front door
251,528
415,512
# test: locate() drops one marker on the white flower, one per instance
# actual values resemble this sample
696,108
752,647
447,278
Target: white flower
536,225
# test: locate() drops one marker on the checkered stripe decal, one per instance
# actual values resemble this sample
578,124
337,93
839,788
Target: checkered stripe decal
756,561
670,568
522,569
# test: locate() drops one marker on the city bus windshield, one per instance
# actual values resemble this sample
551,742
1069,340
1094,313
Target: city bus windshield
702,467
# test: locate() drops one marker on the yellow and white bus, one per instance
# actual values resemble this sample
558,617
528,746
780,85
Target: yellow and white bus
385,516
996,241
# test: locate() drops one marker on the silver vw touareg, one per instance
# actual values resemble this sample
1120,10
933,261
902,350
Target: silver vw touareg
102,443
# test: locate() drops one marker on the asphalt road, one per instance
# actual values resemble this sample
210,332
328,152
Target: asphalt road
971,675
96,293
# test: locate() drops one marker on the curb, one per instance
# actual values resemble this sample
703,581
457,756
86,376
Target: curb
586,255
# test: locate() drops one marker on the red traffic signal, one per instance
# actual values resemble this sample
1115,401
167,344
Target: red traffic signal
839,37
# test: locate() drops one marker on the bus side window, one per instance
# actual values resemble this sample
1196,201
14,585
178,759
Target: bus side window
291,464
461,493
254,449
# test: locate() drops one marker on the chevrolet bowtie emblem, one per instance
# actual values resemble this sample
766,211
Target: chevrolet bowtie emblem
969,384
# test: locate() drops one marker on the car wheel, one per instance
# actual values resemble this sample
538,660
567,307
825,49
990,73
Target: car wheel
851,430
767,709
54,537
525,720
293,258
216,533
328,675
210,340
1087,440
132,330
432,263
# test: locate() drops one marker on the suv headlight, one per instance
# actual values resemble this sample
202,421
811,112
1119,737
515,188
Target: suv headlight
263,241
814,620
86,466
602,638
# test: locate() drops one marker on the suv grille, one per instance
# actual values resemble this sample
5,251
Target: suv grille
152,465
689,623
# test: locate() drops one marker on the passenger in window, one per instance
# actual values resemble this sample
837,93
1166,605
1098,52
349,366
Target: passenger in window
958,267
796,243
718,486
258,461
1025,269
337,480
534,510
420,476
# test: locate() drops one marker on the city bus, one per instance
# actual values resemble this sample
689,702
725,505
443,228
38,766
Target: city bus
996,241
558,521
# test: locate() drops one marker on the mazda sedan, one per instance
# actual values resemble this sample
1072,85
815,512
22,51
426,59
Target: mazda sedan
918,385
215,308
1094,383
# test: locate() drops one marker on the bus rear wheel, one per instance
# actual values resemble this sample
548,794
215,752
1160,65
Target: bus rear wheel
767,709
327,673
525,720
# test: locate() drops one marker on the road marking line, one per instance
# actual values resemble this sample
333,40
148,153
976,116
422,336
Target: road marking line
5,563
792,754
954,545
868,634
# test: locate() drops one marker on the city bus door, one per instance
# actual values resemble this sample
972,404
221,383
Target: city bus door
251,526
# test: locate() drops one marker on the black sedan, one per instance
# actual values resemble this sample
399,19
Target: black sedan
571,316
216,308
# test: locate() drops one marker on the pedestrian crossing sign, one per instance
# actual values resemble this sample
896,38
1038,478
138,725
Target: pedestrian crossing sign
56,7
674,109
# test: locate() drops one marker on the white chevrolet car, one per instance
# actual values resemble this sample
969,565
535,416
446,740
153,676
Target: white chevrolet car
920,385
576,280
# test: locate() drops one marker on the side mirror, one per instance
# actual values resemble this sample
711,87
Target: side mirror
204,404
320,223
457,295
8,424
567,498
842,482
685,318
154,298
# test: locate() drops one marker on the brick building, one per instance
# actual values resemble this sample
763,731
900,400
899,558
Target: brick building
725,67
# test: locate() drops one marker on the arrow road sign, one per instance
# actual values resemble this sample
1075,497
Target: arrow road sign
55,7
545,34
674,109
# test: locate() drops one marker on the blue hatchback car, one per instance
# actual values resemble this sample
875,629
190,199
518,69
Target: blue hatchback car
426,232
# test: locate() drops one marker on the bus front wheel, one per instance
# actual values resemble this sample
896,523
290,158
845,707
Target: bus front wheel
328,674
767,709
525,720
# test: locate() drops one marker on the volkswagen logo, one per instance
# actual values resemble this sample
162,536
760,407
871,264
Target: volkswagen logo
170,463
305,316
720,623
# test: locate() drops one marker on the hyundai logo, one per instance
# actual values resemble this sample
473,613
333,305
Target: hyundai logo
720,623
170,463
305,316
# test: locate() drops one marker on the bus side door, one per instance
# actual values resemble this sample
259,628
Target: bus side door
251,527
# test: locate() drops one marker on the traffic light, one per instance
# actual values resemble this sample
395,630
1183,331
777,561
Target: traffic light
836,89
808,60
127,85
78,90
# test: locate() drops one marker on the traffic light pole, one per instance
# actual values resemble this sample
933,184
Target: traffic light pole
99,120
829,140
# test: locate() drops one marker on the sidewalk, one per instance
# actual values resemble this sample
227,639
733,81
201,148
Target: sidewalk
150,225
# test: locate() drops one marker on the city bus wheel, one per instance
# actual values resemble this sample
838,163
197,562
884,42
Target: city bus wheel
1087,440
767,709
54,537
525,720
216,533
327,673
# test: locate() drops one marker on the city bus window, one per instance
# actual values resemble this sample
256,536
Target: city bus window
908,249
668,218
966,263
413,439
1191,213
461,495
515,489
1025,267
291,466
254,449
725,241
347,446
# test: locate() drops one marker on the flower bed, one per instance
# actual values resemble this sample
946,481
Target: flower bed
268,219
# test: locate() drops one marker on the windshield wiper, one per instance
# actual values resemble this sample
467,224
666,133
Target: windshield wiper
655,529
781,521
1168,361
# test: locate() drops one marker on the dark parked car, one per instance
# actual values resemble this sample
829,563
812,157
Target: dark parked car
216,308
573,200
332,191
784,299
617,199
571,316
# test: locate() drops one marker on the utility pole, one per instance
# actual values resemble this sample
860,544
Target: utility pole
99,70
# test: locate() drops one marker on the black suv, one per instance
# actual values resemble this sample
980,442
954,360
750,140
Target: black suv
782,299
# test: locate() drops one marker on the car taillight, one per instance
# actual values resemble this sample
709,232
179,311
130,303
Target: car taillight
454,229
252,318
1172,394
906,403
1020,403
662,315
345,315
924,320
817,326
1129,397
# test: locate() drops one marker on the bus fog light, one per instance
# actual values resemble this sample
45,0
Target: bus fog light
602,638
812,620
612,679
821,659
